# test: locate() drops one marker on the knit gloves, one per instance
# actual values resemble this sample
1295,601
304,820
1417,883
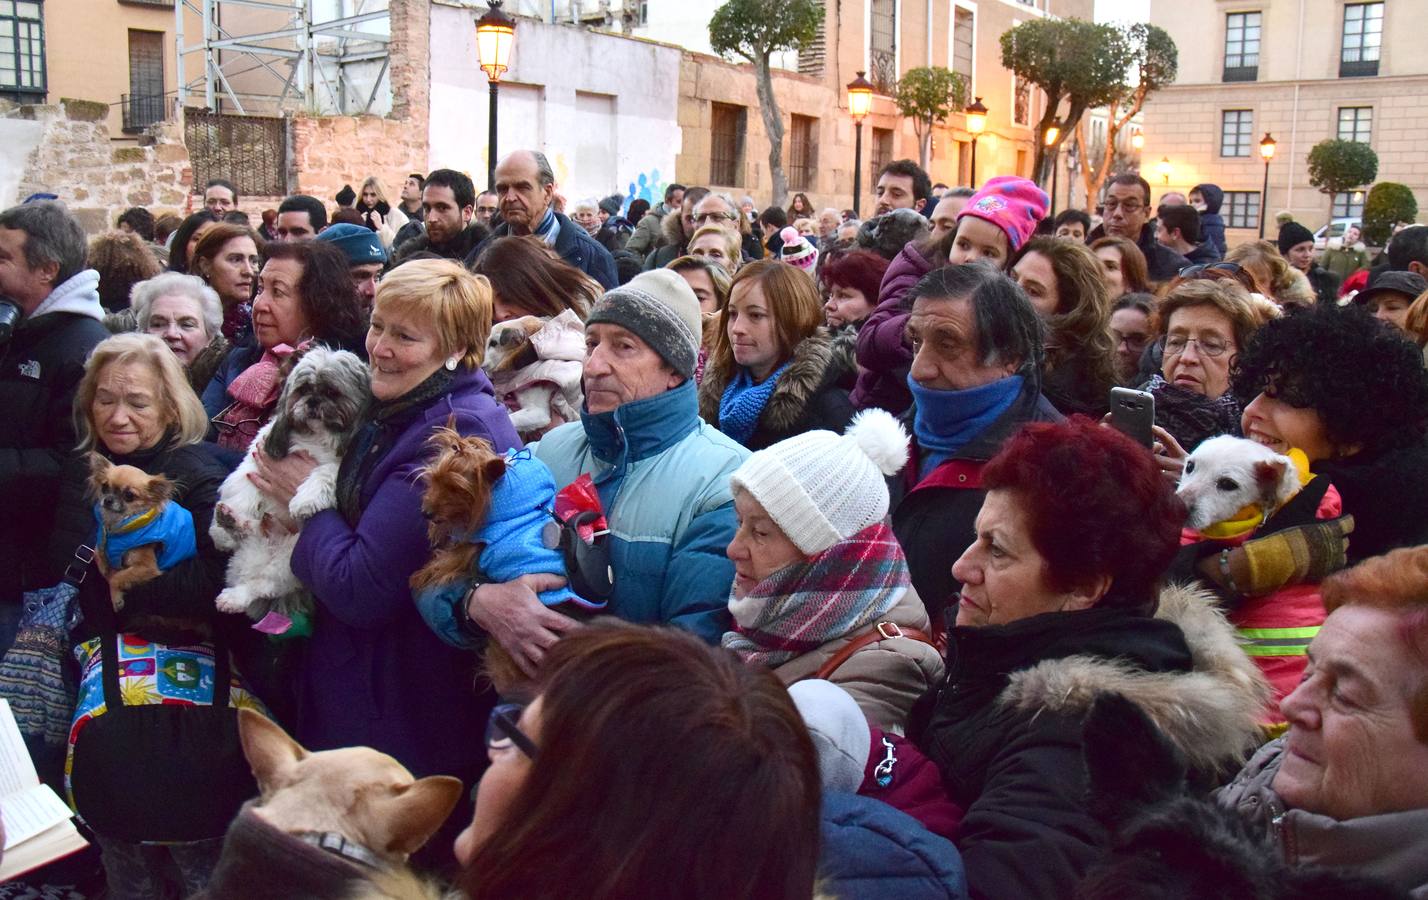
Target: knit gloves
1307,553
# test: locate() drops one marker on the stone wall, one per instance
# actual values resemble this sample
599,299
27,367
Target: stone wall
74,158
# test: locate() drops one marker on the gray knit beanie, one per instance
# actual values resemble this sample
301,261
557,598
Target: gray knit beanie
660,308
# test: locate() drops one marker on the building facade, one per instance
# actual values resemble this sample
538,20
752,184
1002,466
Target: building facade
1334,69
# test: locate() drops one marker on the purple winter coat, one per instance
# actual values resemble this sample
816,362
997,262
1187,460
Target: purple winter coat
882,356
374,674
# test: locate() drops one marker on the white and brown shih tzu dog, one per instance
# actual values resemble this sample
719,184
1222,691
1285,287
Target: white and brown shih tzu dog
318,411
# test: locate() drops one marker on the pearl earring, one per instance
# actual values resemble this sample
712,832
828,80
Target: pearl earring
451,364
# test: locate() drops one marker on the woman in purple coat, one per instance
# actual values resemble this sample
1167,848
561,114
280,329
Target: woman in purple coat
373,673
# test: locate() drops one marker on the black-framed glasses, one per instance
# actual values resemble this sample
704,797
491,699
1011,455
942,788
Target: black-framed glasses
1221,266
502,730
245,428
1210,346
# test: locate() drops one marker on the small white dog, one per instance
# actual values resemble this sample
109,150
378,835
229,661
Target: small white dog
320,406
1226,476
535,365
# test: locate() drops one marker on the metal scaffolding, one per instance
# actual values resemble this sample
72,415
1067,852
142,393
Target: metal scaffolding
273,56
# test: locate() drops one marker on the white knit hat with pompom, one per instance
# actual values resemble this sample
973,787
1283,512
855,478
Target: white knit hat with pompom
822,488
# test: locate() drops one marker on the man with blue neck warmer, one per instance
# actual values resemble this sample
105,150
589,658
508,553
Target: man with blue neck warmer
525,189
975,380
662,474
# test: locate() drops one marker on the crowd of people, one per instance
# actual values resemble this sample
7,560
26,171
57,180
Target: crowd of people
825,568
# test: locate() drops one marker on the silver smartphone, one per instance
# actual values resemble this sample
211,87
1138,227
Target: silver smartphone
1133,414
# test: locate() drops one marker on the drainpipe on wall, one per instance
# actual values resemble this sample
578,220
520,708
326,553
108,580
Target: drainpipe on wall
1294,115
929,34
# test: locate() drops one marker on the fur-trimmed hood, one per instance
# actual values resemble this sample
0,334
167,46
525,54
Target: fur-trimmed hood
813,364
1210,713
670,232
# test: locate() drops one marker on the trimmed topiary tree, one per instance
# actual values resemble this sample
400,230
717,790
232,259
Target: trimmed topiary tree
1337,166
1388,204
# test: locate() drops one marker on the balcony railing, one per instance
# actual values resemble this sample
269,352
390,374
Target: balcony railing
143,110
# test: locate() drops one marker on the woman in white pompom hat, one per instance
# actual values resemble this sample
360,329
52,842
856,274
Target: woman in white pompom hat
821,587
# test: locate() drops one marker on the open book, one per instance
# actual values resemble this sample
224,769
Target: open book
37,825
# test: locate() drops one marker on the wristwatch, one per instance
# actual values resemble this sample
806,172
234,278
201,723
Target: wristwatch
461,609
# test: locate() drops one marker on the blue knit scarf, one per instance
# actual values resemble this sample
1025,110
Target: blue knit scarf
743,402
946,421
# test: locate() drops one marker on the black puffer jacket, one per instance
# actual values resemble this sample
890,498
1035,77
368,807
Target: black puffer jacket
40,368
1006,732
806,398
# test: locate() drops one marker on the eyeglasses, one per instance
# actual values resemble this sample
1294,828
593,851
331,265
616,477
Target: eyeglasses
705,218
246,428
1129,206
1133,341
1223,266
1210,346
503,732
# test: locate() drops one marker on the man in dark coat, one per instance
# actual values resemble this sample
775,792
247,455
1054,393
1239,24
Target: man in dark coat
448,201
525,187
56,301
1178,227
1127,207
975,380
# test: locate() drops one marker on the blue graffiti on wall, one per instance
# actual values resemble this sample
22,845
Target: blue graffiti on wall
648,187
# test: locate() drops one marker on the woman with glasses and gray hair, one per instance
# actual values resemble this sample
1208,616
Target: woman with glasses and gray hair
1203,323
186,315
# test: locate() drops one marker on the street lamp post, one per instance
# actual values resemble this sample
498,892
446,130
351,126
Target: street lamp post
976,122
1053,131
1266,150
860,100
495,33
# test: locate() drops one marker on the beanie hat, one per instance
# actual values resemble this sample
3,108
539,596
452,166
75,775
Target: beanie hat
346,196
659,306
359,242
841,735
612,204
821,488
796,249
1012,203
1292,234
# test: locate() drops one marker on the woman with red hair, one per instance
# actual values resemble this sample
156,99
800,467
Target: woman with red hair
1061,600
850,288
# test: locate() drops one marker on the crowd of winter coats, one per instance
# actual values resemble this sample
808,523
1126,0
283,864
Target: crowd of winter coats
961,551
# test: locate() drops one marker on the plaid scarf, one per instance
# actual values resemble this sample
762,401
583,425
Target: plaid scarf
803,606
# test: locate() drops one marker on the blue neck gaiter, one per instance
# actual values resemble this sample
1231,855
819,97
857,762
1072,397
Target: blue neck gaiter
946,421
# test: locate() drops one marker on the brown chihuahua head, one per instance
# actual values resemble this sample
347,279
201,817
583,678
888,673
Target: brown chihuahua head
458,480
124,491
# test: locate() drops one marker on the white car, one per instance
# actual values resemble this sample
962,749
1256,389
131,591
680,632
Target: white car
1335,229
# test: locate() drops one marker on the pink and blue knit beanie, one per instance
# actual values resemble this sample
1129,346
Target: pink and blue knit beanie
1012,203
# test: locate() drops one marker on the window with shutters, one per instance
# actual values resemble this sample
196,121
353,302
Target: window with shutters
882,46
1363,38
1241,46
811,58
145,103
962,27
802,152
22,51
726,155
